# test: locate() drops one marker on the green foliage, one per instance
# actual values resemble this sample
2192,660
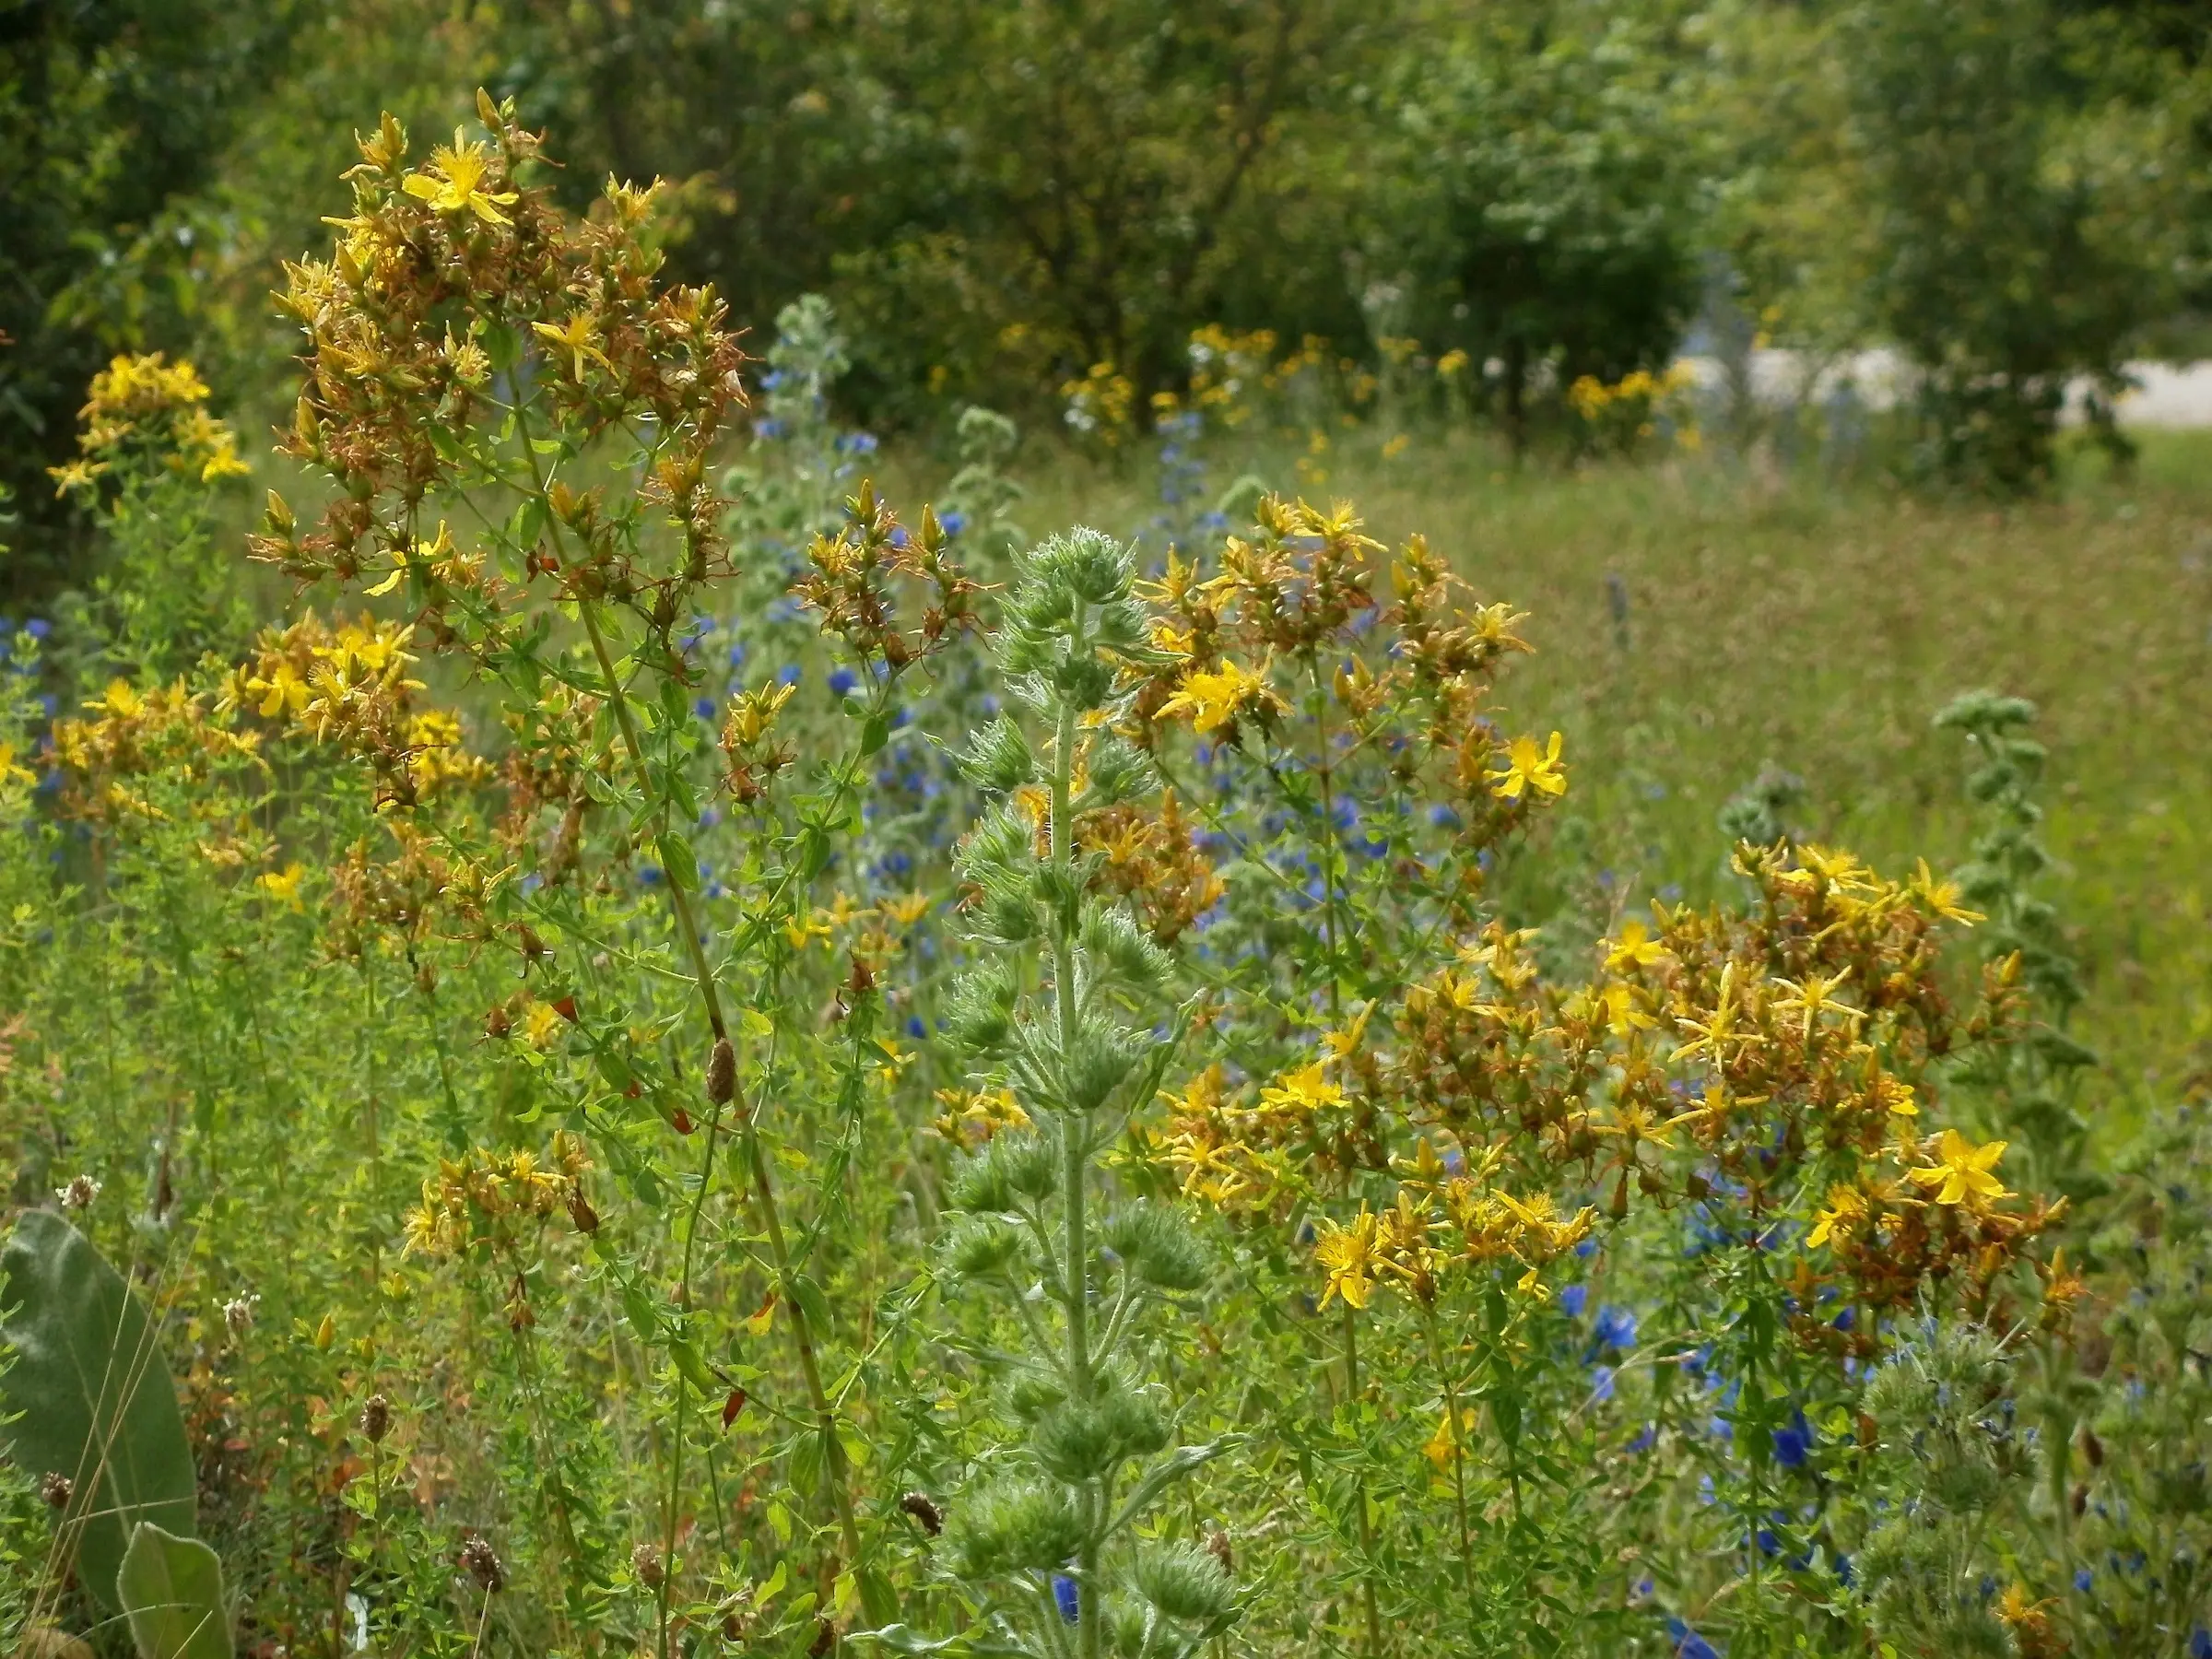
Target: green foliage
108,115
1990,273
90,1399
171,1592
1544,152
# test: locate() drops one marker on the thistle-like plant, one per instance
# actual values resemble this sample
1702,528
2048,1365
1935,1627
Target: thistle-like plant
1059,1010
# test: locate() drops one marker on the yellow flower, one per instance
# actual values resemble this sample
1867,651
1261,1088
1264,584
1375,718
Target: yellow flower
579,337
1302,1090
541,1022
1215,697
1443,1443
9,772
1962,1172
1527,767
460,171
284,886
1634,948
1845,1206
1348,1255
1624,1010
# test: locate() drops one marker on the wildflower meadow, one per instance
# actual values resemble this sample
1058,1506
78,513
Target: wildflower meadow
1259,1022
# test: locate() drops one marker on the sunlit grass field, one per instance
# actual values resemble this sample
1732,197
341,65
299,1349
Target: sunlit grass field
1814,627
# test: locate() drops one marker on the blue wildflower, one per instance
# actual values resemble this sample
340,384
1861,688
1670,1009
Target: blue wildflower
1572,1297
915,1028
38,627
952,522
704,708
1688,1644
1601,1383
842,681
1792,1442
788,674
1067,1598
1616,1328
2083,1579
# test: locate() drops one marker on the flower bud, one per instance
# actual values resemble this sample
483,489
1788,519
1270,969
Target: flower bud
479,1562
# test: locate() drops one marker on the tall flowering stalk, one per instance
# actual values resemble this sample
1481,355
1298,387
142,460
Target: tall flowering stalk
473,352
1057,1011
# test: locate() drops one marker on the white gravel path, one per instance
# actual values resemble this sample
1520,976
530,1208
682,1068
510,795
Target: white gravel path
2166,395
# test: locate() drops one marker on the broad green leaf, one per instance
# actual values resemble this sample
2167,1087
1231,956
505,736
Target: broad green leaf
171,1591
89,1396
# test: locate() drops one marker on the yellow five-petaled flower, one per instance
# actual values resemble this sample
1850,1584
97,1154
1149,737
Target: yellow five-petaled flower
456,180
1528,768
1348,1255
1214,697
1962,1174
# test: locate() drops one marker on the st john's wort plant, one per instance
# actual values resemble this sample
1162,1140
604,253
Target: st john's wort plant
1057,1534
150,457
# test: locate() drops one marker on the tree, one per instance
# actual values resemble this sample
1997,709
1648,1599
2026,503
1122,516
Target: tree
1544,148
109,111
1990,271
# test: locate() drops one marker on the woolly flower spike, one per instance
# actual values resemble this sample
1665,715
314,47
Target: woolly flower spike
454,182
1962,1174
1215,697
1528,768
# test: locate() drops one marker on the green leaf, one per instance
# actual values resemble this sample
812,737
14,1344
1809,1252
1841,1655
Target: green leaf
686,1358
812,1302
87,1396
171,1591
874,735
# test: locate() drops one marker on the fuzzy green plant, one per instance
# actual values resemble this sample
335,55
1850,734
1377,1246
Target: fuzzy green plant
1056,1529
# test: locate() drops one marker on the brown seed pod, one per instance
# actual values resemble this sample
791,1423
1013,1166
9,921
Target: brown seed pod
722,1072
1216,1546
2092,1448
56,1489
482,1564
376,1418
645,1561
925,1509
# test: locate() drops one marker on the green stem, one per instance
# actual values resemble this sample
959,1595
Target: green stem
1459,1467
747,1129
1367,1525
1075,1138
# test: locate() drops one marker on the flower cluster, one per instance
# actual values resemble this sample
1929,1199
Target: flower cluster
346,684
142,404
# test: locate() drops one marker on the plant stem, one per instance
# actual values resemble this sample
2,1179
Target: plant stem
764,1194
1075,1138
1459,1466
1367,1525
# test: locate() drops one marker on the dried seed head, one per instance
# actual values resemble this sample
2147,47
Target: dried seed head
481,1564
925,1509
1216,1546
2092,1448
722,1072
825,1638
238,1313
376,1418
57,1489
78,1195
645,1561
